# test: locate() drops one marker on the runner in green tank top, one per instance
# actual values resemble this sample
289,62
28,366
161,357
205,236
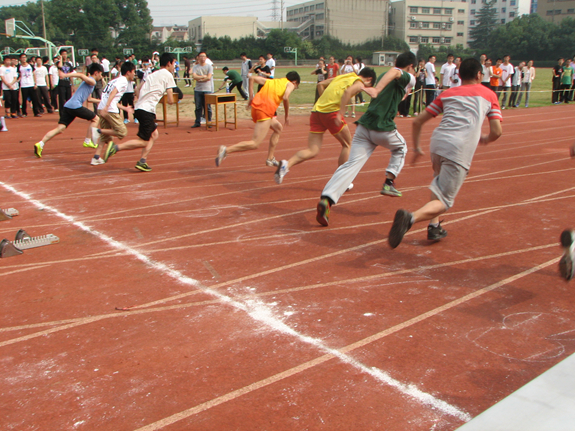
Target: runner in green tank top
375,128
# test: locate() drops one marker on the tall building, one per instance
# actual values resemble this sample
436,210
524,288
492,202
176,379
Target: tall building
507,10
233,26
351,21
433,22
556,10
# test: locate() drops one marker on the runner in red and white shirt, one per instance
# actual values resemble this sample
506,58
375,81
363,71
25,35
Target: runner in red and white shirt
453,144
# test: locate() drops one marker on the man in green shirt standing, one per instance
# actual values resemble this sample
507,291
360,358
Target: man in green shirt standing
236,81
375,128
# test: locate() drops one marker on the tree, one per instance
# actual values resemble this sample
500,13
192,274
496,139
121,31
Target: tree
486,23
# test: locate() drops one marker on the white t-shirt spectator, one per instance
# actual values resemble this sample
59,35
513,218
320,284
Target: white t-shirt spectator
26,76
114,72
121,85
54,77
346,68
455,77
430,69
271,63
506,71
153,89
40,74
9,74
105,65
486,74
447,71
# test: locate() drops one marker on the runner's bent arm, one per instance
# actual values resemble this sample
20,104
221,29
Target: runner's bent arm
495,131
349,92
390,75
416,133
289,88
321,86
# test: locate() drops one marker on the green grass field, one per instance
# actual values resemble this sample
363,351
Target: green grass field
304,96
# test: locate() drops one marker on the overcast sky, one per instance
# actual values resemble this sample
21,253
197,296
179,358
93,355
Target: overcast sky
170,12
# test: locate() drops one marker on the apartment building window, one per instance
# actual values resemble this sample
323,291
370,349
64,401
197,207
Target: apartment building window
319,6
319,33
447,40
549,12
425,10
472,12
511,14
513,2
460,22
461,11
503,10
424,40
412,39
459,34
435,40
301,10
473,1
436,25
472,22
437,11
306,9
503,21
413,9
320,16
312,7
448,26
570,10
448,11
412,25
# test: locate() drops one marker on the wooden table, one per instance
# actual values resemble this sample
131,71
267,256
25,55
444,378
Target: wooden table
164,103
221,99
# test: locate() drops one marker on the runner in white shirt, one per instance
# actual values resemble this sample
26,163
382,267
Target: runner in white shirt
156,85
111,123
40,74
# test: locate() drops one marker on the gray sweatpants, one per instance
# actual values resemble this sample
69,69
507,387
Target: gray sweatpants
364,143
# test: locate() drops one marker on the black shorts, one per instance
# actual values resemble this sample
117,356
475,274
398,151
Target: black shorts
147,122
68,115
106,74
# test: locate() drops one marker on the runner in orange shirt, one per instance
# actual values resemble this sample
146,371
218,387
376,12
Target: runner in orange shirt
264,105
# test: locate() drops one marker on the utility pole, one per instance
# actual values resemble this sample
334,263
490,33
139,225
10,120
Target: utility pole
44,25
282,14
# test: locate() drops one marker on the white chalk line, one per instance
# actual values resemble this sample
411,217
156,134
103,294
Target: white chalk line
258,312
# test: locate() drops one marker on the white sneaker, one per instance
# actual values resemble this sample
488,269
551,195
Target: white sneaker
567,262
272,162
349,187
281,171
4,129
96,161
221,155
203,120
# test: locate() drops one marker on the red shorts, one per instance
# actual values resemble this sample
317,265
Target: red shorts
319,122
258,115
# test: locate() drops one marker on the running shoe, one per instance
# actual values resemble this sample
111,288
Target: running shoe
323,208
349,187
90,144
38,149
221,155
281,171
144,167
390,190
98,161
435,233
136,121
566,266
272,162
4,129
401,224
126,121
110,151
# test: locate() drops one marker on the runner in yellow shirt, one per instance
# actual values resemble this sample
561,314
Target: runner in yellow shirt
327,114
264,105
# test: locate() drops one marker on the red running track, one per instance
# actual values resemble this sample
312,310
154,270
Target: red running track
244,314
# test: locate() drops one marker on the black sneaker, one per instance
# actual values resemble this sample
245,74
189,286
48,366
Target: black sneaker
566,264
143,167
401,224
435,233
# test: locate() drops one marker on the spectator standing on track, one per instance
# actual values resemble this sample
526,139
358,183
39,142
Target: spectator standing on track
557,72
506,76
528,77
327,114
495,76
332,68
40,74
271,63
245,71
453,144
446,72
419,86
202,73
516,84
54,78
28,86
455,78
264,105
187,70
235,80
156,85
430,83
74,108
106,66
321,73
566,81
571,93
485,68
64,84
375,128
9,77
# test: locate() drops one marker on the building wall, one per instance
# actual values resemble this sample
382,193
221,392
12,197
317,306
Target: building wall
351,21
162,34
507,10
217,26
432,22
556,10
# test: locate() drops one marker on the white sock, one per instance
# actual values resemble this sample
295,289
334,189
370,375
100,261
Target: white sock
87,140
41,144
3,122
434,224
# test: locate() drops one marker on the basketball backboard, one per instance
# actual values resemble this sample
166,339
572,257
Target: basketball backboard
10,27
